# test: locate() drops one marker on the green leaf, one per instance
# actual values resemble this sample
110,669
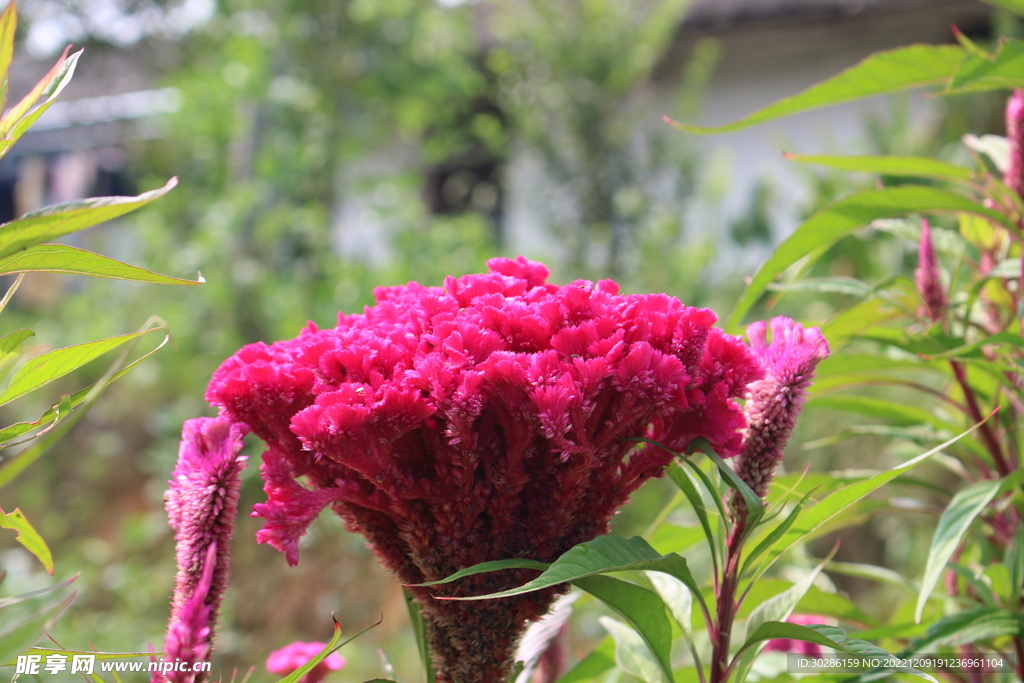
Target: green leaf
27,536
825,285
10,348
642,608
1005,71
419,629
755,506
61,219
677,599
631,652
813,518
681,479
1013,558
484,567
847,215
600,660
782,629
995,147
296,675
59,362
8,23
17,599
776,533
12,467
974,349
969,626
1015,6
912,66
910,167
779,607
20,636
19,119
892,411
967,504
601,555
57,258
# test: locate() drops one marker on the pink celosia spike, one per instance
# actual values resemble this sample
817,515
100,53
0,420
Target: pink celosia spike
499,416
776,401
927,276
1014,177
202,503
189,635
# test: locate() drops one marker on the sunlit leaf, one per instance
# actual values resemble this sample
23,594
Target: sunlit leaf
631,653
912,66
910,167
59,362
8,23
847,215
27,536
598,661
642,608
61,219
969,626
58,258
297,675
967,504
19,119
1005,71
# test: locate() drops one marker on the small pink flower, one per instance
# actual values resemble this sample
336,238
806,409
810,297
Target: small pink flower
800,647
298,654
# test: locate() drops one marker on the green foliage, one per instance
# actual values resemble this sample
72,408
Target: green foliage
27,616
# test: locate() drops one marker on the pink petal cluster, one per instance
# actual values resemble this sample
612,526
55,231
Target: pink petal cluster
776,401
298,654
927,276
496,417
1014,177
202,504
800,647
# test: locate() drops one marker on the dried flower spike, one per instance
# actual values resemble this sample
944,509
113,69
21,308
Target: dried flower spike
776,401
488,419
202,503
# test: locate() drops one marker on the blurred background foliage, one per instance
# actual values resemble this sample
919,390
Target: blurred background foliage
298,116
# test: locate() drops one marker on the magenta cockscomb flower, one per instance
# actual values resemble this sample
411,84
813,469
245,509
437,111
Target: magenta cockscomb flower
202,504
927,277
298,654
1014,177
776,401
496,417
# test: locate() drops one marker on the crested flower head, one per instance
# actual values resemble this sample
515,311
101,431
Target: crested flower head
496,417
298,654
202,503
1014,177
929,284
776,401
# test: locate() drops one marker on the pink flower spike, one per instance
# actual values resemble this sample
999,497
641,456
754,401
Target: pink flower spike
188,636
1014,177
298,654
775,402
927,276
800,647
202,503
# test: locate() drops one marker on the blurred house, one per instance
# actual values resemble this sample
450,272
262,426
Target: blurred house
769,49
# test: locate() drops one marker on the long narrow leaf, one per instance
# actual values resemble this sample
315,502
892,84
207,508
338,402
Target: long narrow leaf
912,66
58,258
967,504
27,536
848,214
61,219
14,127
419,629
642,608
814,517
59,362
911,167
1005,71
8,23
